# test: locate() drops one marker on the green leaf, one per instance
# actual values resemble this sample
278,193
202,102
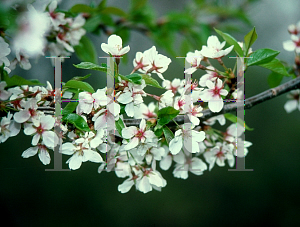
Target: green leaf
81,8
274,79
114,11
135,78
168,134
276,66
122,108
89,65
165,115
86,50
249,40
18,81
158,131
77,121
151,81
80,78
70,107
92,23
262,56
233,118
120,125
80,85
231,41
101,5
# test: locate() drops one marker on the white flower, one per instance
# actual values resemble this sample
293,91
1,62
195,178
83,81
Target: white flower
144,111
166,99
114,46
82,150
56,18
150,179
31,36
174,86
8,128
219,154
211,121
23,61
42,152
158,62
30,112
137,135
194,59
233,131
41,129
241,143
188,138
4,95
76,31
132,96
213,95
141,62
292,45
210,75
4,51
294,29
214,48
194,165
294,103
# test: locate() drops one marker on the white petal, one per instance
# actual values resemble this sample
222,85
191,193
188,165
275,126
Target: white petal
30,152
175,145
75,161
290,105
125,186
50,139
22,116
68,148
144,185
44,156
129,132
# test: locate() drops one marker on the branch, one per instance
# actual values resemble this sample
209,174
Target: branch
250,102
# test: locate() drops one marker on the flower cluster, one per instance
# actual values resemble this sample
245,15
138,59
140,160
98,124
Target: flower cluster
40,31
135,154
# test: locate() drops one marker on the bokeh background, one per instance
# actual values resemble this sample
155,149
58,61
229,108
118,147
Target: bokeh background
30,196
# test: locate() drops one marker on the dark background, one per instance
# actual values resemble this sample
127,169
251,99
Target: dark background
30,196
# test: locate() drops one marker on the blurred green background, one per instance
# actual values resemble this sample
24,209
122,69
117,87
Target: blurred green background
30,196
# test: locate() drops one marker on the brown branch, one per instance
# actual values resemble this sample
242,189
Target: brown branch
249,103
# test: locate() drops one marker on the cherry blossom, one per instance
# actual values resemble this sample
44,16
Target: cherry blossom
114,46
4,51
33,27
141,62
220,118
57,18
29,112
144,111
210,75
292,45
82,150
194,165
41,129
294,28
294,101
214,48
42,152
213,95
219,154
176,85
158,62
194,59
137,135
4,94
8,128
188,138
241,143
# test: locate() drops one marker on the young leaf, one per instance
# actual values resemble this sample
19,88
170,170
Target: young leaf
249,40
234,118
135,78
76,120
165,115
70,107
80,85
274,79
169,135
276,66
81,8
18,81
114,11
231,41
80,78
151,81
120,125
89,65
86,50
262,56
